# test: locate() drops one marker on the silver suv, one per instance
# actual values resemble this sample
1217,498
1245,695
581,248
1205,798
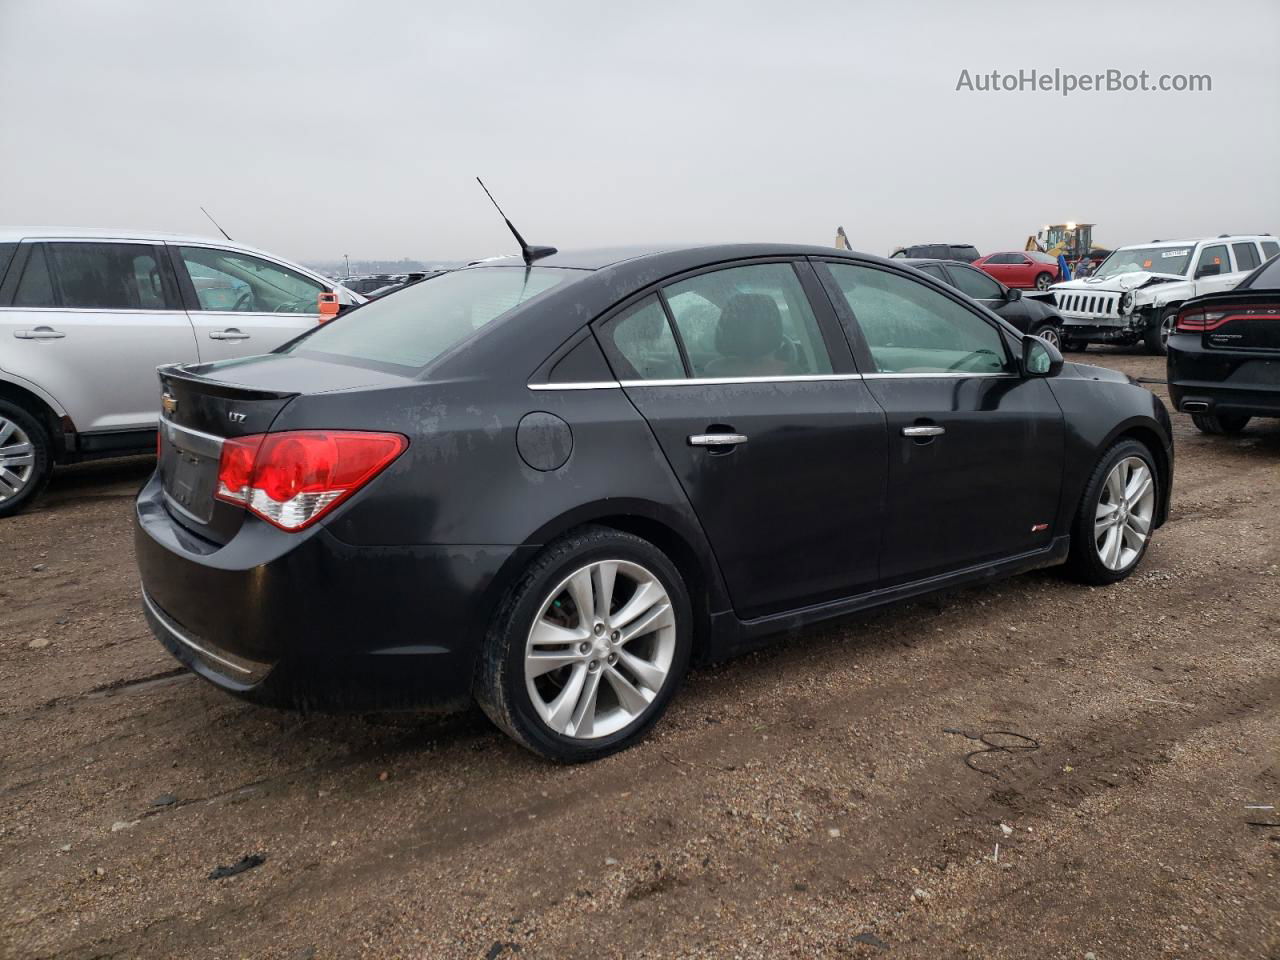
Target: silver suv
86,316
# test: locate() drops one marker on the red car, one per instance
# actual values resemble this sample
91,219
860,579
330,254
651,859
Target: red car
1019,269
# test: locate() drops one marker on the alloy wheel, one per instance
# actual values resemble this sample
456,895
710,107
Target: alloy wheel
1126,507
1050,335
600,649
1043,281
1166,327
17,459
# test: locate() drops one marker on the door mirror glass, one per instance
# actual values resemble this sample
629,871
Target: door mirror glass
1040,358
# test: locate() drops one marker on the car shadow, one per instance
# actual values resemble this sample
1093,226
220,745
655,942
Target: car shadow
118,478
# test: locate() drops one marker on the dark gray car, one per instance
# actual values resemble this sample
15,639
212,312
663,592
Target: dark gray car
1029,316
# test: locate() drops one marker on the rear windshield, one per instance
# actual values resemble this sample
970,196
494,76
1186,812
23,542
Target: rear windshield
421,322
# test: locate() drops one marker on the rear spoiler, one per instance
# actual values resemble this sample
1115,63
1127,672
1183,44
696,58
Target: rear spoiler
193,374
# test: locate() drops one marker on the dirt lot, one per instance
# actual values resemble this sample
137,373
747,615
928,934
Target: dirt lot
807,801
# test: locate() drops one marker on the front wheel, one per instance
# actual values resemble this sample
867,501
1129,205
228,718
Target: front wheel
1116,516
1048,332
1219,423
26,458
1043,281
586,652
1156,339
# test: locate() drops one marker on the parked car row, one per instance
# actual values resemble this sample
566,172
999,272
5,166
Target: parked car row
86,316
553,482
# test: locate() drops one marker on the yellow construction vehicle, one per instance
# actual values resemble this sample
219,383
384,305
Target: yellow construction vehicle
1074,240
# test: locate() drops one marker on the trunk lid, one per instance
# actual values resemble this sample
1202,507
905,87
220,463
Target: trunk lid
1246,320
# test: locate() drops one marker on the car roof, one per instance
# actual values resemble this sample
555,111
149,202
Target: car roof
13,234
639,256
1225,238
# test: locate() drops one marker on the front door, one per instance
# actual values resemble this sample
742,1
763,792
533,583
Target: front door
90,322
778,444
975,449
242,305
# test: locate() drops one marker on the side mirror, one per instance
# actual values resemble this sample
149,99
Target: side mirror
327,306
1040,358
1012,293
1209,270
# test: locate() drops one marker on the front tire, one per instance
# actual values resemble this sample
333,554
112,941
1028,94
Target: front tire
1050,334
1156,339
586,651
1220,423
1116,516
26,458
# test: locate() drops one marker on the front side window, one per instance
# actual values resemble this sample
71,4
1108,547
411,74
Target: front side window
910,328
227,281
976,284
752,321
422,321
1246,255
105,276
1213,260
641,337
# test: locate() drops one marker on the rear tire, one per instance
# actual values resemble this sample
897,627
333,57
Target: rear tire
1156,338
26,458
1220,423
1103,514
1044,281
623,689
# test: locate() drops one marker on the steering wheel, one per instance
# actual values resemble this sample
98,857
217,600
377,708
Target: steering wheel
243,301
289,306
972,356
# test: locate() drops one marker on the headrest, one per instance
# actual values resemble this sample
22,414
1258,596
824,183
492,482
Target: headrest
750,326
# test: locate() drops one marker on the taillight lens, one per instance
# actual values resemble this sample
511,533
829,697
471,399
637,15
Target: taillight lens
292,479
1196,321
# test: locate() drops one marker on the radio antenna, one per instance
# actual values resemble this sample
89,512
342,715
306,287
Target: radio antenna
215,223
529,253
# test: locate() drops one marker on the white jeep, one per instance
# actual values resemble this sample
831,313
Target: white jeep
1135,294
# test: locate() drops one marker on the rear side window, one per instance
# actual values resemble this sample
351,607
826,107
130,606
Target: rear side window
1246,255
421,322
107,276
641,338
1269,249
911,328
976,283
7,251
752,321
35,288
964,252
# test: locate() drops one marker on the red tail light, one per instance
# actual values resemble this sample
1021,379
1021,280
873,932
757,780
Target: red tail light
1196,321
294,478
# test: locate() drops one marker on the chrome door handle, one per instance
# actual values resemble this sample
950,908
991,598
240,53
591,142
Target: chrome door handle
229,334
716,439
923,431
39,333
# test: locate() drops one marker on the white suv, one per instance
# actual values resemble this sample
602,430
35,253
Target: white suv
86,316
1135,294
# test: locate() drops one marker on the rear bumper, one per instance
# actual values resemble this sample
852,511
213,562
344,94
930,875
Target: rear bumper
306,620
1225,382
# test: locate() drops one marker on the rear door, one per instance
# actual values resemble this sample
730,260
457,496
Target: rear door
89,321
975,450
751,393
241,304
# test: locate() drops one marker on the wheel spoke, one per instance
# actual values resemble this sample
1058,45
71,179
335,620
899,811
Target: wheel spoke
548,634
646,595
1132,537
649,675
7,429
1139,524
632,700
560,710
580,588
9,483
544,661
1139,484
603,576
655,618
1111,550
1115,485
584,714
17,455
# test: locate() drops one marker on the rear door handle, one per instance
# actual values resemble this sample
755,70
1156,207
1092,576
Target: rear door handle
932,431
39,333
229,334
716,439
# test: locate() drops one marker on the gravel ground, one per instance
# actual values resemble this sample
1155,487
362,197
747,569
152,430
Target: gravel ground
806,801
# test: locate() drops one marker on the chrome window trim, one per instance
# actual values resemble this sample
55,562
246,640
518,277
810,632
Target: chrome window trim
175,311
808,378
247,313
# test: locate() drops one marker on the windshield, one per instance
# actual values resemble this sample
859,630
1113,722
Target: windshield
424,320
1150,259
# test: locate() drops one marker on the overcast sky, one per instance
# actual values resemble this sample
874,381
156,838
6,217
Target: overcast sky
314,128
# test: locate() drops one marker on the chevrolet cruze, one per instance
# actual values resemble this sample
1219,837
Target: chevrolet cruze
548,483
